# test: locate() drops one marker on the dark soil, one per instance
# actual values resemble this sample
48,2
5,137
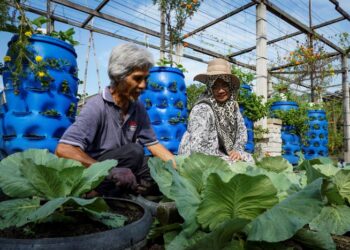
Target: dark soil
81,225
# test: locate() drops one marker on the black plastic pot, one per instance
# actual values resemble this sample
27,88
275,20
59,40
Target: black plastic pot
131,236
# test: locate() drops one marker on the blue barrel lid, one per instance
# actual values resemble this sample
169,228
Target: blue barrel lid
246,86
48,39
317,111
281,103
167,69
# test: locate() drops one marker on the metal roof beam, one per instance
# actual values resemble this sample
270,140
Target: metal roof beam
297,24
340,10
287,36
107,17
98,8
234,12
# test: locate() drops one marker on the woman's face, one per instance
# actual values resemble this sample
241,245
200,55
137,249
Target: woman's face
221,91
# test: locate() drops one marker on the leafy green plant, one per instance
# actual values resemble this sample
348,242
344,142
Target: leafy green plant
176,14
193,92
71,110
43,187
243,76
163,62
262,204
253,106
65,87
51,112
155,86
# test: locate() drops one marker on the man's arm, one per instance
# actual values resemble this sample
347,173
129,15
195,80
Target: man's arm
75,153
160,151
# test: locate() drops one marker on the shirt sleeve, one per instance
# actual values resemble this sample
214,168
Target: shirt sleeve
82,132
146,135
202,132
241,135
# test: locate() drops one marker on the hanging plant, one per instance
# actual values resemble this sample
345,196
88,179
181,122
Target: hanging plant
176,14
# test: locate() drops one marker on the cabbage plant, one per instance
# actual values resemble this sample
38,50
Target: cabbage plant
43,187
248,206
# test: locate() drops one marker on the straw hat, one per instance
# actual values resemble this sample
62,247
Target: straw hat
218,66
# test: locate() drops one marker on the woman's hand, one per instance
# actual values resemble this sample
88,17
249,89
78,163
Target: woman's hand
234,155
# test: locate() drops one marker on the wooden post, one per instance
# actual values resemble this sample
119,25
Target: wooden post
346,109
261,56
162,34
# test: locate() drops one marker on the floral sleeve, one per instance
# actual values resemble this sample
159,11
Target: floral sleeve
241,134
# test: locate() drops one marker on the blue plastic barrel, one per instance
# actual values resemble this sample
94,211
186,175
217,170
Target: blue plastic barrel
249,147
166,103
37,115
290,140
317,142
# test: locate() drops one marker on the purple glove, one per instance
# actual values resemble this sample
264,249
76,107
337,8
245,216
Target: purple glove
123,177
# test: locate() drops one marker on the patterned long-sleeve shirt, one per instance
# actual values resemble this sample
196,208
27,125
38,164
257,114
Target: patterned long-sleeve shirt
201,135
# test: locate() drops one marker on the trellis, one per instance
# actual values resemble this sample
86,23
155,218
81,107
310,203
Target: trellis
261,66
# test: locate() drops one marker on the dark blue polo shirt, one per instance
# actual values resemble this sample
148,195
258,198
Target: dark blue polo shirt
99,126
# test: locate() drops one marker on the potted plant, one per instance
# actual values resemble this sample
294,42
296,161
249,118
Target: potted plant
165,95
316,142
39,75
251,105
45,206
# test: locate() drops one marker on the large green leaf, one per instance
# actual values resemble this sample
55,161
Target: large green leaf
161,172
45,180
242,197
181,241
315,240
196,164
110,219
12,182
283,220
96,204
221,236
93,176
38,156
332,219
62,163
321,161
15,212
328,170
187,200
331,191
342,181
275,164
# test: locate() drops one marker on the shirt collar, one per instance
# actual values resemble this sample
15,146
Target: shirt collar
107,96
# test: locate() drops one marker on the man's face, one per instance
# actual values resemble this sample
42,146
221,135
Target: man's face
135,83
221,91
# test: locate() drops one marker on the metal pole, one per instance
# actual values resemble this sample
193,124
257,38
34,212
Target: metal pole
346,109
311,67
261,55
162,34
86,68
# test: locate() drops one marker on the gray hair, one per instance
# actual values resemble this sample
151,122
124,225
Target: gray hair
126,58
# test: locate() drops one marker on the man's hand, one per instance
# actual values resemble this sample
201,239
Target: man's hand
123,177
234,155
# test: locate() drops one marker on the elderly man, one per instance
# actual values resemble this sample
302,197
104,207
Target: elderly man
115,125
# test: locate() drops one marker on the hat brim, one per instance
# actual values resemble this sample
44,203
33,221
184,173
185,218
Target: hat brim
203,78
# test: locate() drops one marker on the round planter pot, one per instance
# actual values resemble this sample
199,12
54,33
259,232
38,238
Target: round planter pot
166,104
290,142
131,236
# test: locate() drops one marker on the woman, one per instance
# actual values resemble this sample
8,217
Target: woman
215,125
